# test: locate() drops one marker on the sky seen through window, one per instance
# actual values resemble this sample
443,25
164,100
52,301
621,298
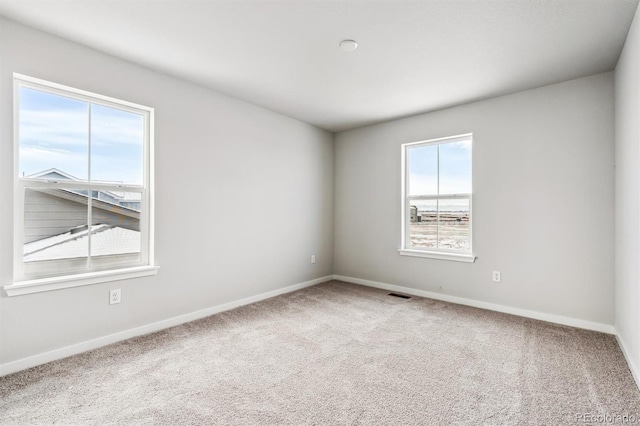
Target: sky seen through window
54,133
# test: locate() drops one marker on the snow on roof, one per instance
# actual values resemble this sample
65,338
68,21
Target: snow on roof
105,240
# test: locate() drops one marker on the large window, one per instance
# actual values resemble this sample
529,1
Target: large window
436,206
83,187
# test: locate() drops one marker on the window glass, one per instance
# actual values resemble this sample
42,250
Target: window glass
453,224
117,142
455,168
116,227
53,134
423,170
423,231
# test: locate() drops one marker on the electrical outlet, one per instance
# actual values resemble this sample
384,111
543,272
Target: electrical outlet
313,258
115,296
496,276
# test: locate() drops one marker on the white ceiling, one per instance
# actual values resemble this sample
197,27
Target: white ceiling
414,56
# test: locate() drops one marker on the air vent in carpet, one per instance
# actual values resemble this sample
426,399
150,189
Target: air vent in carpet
401,296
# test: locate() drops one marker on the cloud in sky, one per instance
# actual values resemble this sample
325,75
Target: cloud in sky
54,133
440,169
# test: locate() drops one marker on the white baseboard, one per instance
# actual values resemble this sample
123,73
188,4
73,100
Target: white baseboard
557,319
43,358
56,354
635,372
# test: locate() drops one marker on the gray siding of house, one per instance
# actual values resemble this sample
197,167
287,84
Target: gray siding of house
54,212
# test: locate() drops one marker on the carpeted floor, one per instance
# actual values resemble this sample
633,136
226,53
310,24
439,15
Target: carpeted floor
335,354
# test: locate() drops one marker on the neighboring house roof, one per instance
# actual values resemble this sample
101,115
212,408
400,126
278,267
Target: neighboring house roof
53,173
57,174
105,240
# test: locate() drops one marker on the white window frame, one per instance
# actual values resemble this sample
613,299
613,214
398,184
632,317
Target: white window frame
434,253
25,284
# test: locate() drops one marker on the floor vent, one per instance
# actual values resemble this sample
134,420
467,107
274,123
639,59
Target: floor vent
401,296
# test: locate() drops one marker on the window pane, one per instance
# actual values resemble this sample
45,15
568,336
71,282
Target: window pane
115,222
422,223
55,232
455,168
53,134
117,140
453,229
423,170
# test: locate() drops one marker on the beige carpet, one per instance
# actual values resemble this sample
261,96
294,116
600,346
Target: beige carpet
335,354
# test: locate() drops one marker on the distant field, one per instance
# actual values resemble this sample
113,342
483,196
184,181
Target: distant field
453,232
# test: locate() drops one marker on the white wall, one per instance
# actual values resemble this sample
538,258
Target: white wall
244,196
543,201
627,235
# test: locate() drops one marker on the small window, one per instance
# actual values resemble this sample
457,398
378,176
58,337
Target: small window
436,210
83,186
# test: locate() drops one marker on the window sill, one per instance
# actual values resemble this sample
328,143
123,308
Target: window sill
19,288
469,258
